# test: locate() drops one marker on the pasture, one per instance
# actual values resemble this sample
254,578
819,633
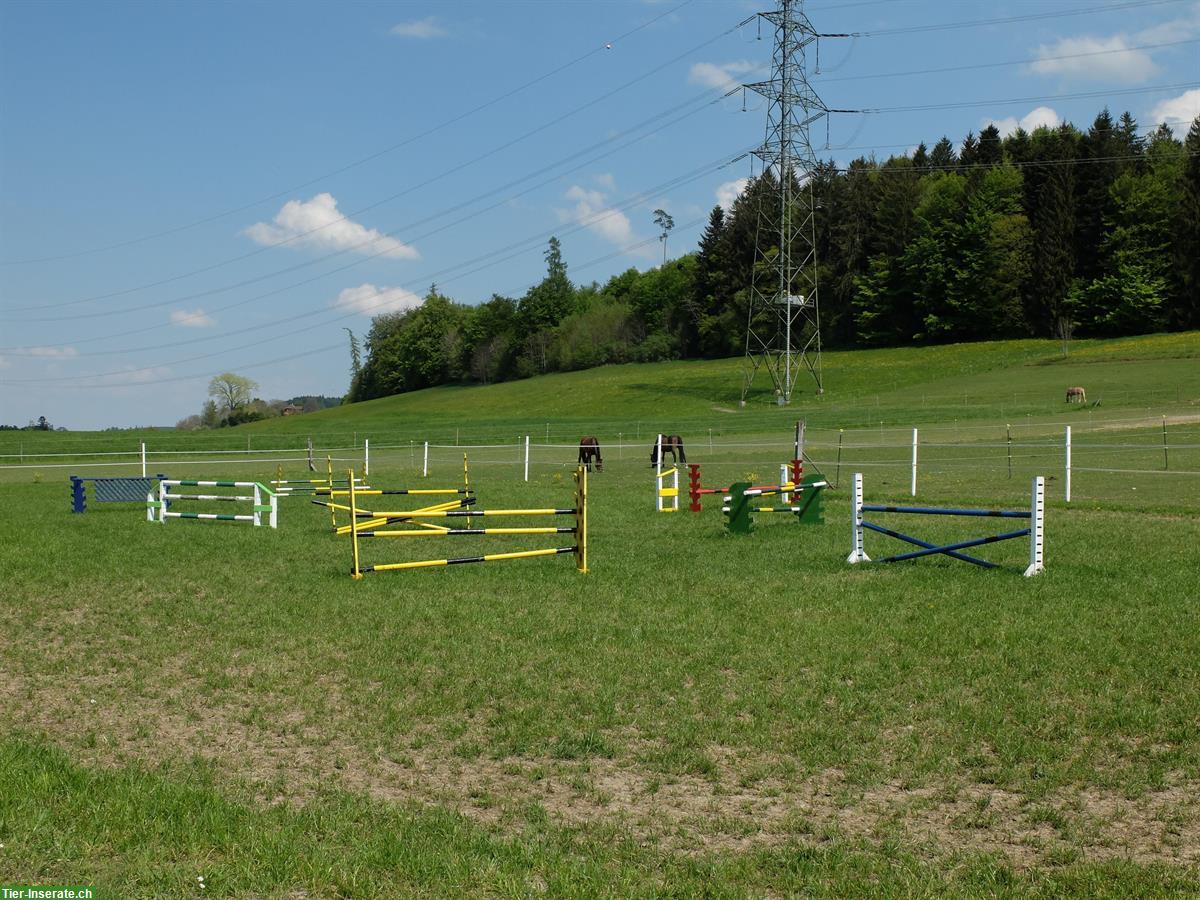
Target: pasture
700,714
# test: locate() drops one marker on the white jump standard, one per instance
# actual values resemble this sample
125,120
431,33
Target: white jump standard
262,498
1036,530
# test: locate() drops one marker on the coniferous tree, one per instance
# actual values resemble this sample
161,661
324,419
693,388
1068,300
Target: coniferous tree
1186,311
968,156
942,156
920,157
1050,197
1098,149
853,243
991,147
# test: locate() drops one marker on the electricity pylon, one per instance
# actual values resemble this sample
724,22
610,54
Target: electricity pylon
783,323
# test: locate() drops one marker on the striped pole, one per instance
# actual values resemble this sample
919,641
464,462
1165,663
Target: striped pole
1037,527
490,557
581,523
449,532
857,553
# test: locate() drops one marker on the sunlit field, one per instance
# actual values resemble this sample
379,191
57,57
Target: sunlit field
699,714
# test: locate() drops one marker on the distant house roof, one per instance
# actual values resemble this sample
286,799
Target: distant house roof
290,410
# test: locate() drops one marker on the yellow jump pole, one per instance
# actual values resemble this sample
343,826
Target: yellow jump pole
355,573
581,519
374,520
453,532
329,473
466,483
491,557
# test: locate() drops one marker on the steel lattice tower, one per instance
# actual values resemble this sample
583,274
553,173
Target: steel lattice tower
783,322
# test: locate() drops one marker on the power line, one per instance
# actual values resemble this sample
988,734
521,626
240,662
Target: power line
355,164
520,246
1010,100
1017,62
1008,20
190,297
575,110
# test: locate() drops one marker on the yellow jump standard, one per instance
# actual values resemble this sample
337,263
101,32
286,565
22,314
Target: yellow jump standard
359,529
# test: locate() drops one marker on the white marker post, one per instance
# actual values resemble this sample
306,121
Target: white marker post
913,489
143,459
526,457
425,465
366,458
1067,482
1037,527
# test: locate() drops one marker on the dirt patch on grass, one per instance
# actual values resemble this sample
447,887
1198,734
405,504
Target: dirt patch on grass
742,802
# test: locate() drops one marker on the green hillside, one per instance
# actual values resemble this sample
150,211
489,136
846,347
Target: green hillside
982,381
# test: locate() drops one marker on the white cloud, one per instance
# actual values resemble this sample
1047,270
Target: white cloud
719,75
1178,112
591,210
728,192
318,223
606,181
373,301
1042,117
48,352
1110,59
420,28
4,363
197,318
1186,26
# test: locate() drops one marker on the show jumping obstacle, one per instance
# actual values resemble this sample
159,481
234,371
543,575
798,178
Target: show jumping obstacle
804,501
1036,530
668,493
364,491
288,487
788,472
427,529
262,498
110,490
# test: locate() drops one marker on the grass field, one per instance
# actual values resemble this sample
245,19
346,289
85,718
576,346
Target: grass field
699,715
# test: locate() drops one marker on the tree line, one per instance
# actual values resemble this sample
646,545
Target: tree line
1044,234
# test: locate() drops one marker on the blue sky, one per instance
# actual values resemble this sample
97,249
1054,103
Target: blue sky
191,188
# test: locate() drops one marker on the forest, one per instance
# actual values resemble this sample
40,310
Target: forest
1055,233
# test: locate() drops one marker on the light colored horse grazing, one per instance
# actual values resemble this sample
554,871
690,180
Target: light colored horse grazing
1076,395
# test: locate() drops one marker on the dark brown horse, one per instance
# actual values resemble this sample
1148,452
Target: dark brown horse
589,449
671,443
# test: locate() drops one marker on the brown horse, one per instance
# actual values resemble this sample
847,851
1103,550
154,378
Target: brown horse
589,449
1076,395
671,443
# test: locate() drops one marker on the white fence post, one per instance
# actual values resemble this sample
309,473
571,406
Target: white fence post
1067,482
425,465
913,489
366,457
526,457
143,459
